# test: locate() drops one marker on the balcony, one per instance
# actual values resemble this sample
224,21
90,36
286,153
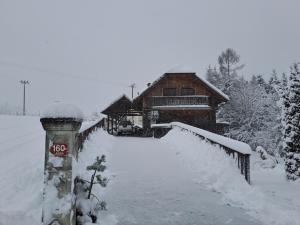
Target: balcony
194,101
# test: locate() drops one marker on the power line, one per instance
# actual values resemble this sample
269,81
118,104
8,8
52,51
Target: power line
58,73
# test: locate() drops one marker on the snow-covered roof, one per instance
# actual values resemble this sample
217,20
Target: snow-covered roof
185,70
124,96
225,141
181,69
214,88
63,110
87,124
119,98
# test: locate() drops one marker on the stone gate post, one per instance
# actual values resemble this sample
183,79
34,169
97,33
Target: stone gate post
60,154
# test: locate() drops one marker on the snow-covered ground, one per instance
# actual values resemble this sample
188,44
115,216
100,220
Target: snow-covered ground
174,180
22,147
270,198
151,186
22,144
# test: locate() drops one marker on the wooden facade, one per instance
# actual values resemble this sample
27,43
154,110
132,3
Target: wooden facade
182,97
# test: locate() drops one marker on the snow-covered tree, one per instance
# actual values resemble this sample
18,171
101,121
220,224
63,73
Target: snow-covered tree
88,205
291,101
273,83
214,77
278,88
259,80
252,112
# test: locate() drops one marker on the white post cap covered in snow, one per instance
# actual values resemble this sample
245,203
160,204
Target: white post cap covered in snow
62,110
60,116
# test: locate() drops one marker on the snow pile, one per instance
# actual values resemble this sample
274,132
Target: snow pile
266,160
228,142
22,143
51,203
62,110
87,124
98,144
216,171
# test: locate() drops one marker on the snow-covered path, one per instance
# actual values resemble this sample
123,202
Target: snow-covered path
151,187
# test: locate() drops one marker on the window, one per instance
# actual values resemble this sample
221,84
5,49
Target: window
169,92
187,91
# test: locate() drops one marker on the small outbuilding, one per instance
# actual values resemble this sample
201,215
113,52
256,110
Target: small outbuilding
118,111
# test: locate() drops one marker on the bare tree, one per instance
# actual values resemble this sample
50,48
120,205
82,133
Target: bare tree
228,67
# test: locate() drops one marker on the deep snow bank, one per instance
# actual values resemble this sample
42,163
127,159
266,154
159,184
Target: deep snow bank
216,171
22,150
22,143
238,146
98,143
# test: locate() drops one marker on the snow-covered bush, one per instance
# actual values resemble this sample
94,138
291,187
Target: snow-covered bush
266,160
262,152
87,204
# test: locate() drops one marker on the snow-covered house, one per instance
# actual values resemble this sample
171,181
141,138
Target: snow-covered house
181,96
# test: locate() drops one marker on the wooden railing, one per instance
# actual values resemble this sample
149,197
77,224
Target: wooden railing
85,132
236,149
157,101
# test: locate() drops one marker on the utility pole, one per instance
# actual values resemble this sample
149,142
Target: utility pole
24,82
132,86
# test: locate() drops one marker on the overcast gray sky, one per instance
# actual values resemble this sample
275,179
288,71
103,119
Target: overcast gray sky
87,52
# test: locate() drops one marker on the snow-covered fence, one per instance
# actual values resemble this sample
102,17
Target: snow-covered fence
238,150
86,130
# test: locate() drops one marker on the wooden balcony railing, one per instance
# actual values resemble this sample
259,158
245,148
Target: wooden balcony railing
160,101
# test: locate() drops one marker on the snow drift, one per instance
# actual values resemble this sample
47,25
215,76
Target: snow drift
216,171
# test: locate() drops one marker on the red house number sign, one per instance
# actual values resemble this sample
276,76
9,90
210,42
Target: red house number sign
59,150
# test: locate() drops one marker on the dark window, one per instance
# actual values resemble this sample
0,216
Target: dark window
169,92
187,91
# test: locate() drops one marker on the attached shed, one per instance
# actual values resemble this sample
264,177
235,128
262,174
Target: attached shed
117,111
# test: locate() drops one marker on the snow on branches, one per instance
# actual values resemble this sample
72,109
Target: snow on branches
88,204
291,108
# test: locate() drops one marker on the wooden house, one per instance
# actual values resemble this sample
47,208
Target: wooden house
182,97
